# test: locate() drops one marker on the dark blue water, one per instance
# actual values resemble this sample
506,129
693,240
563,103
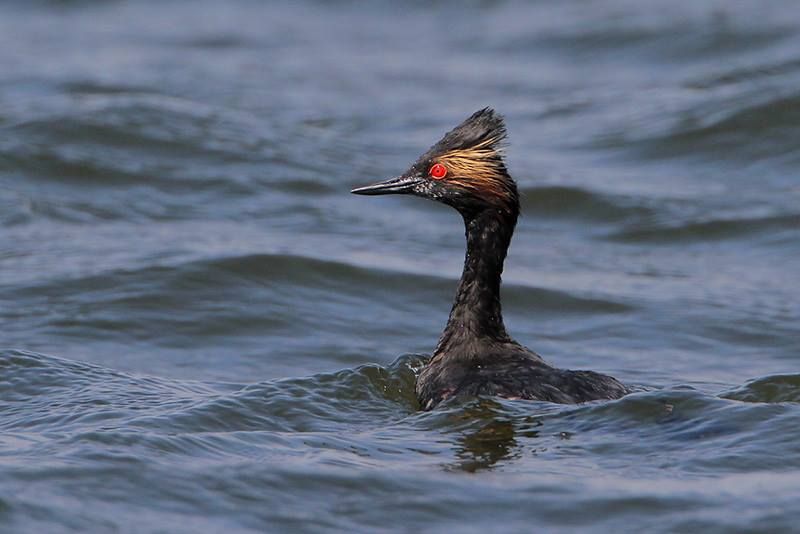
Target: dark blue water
204,331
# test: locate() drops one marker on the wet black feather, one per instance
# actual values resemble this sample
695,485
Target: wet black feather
475,355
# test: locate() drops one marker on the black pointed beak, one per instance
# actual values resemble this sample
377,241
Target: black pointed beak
399,185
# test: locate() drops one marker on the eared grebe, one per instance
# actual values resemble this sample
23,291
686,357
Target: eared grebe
475,355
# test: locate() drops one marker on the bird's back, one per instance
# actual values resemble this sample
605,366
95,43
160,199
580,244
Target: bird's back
516,374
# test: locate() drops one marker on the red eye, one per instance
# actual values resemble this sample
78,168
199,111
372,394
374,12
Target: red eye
438,171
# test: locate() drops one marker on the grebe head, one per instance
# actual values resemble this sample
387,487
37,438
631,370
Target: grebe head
465,169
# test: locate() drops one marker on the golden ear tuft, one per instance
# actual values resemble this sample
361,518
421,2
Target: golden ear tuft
480,169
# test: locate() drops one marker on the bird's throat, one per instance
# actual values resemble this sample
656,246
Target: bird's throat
476,312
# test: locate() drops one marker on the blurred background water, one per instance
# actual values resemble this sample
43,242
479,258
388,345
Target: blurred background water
203,331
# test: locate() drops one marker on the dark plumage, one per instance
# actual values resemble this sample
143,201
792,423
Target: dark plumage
475,355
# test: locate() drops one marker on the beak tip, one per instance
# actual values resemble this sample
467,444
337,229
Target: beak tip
397,185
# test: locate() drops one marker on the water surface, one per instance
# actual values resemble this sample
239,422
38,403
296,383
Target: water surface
203,331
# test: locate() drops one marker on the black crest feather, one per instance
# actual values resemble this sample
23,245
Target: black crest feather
484,127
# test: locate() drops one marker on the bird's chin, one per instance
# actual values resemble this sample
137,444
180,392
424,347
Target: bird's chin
393,186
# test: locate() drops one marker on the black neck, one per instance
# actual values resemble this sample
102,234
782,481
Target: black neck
476,311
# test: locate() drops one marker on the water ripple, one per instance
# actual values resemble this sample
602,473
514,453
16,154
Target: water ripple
177,229
713,230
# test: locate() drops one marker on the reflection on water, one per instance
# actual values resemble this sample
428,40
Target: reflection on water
492,440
